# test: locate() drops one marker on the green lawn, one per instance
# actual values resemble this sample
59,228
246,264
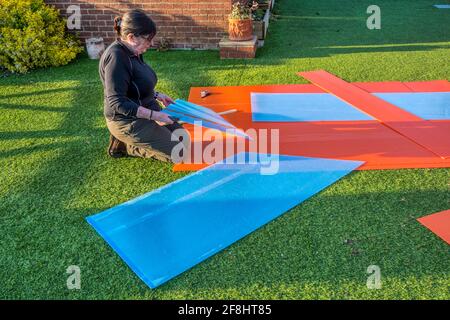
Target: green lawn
55,172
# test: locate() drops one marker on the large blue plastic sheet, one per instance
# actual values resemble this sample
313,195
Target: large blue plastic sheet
290,107
167,231
442,6
427,105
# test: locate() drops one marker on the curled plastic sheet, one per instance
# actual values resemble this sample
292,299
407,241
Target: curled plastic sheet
167,231
203,112
198,115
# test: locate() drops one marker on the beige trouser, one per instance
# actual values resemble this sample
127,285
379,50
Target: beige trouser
147,139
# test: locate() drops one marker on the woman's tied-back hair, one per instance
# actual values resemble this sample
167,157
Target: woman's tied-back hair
135,22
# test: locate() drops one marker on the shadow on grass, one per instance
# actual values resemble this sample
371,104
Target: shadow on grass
58,133
31,108
43,232
323,28
327,240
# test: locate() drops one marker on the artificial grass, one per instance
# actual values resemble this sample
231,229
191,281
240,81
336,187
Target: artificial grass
55,172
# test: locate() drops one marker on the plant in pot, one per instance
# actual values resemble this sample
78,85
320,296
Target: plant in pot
240,23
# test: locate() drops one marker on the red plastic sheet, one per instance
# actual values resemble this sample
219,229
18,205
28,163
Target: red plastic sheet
420,131
370,141
438,223
429,86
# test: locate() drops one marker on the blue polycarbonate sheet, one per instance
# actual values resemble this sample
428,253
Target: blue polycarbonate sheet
214,115
207,124
427,105
167,231
181,107
288,107
442,6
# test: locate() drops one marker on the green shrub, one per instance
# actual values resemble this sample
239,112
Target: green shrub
33,35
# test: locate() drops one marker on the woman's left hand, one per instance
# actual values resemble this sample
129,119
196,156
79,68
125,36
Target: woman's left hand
164,99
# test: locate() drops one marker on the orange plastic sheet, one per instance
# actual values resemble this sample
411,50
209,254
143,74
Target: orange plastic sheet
369,141
438,223
383,87
359,98
429,86
420,131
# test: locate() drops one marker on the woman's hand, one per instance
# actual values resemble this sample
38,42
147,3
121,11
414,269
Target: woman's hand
164,99
161,118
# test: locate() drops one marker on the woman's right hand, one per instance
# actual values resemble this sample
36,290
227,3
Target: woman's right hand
161,117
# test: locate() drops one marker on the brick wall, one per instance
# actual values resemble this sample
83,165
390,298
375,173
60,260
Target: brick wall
198,24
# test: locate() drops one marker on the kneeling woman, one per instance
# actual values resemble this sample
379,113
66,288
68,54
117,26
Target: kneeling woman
131,107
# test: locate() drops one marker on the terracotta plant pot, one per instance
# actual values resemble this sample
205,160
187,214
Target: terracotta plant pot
240,30
95,47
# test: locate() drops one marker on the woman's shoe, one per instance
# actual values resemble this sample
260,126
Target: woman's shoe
116,148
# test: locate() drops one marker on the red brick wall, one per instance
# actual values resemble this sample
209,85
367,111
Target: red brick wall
196,24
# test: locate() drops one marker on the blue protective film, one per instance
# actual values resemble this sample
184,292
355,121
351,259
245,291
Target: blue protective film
167,231
206,124
182,108
442,6
289,107
427,105
215,117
